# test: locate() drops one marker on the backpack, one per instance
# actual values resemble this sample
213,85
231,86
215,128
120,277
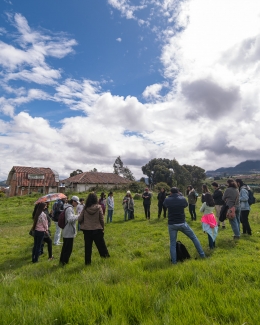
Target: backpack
182,252
251,198
61,221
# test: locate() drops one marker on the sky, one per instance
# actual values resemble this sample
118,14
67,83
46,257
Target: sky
83,82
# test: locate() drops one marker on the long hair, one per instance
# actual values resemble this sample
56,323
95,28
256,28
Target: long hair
102,195
39,210
240,182
189,188
91,200
232,183
205,188
209,200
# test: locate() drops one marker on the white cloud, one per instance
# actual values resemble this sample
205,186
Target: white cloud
119,39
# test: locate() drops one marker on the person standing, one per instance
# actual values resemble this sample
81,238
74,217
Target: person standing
58,207
79,209
204,191
161,197
209,223
47,235
217,197
103,202
147,203
40,226
128,205
192,199
92,224
231,198
244,206
69,232
176,203
110,207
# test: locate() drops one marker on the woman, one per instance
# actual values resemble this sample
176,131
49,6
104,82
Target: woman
192,199
128,204
110,207
217,197
204,191
161,197
69,232
102,201
244,206
40,226
47,236
91,222
231,198
209,223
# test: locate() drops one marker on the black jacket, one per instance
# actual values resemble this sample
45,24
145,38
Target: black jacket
146,198
217,197
176,203
161,197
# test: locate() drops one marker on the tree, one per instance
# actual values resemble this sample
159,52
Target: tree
198,175
121,170
76,172
94,170
158,170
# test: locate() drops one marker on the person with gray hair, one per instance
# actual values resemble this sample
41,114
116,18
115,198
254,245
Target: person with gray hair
176,203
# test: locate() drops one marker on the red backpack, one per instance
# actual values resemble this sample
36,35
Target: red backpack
61,221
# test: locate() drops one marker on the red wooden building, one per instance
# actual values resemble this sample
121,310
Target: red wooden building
24,180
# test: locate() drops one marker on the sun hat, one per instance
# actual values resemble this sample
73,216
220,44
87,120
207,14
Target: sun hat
75,198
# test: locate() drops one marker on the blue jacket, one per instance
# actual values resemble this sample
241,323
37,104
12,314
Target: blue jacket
243,198
175,203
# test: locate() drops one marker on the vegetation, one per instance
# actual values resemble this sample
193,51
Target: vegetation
122,170
138,284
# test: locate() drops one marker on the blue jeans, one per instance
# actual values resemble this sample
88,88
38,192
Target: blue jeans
38,238
109,215
173,231
235,223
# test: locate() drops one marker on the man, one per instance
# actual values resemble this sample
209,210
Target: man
58,206
161,197
147,203
217,197
176,203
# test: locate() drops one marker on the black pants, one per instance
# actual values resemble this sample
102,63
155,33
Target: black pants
48,241
66,250
192,211
160,208
98,237
147,211
245,223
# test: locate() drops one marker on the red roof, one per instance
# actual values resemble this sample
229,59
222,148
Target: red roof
20,175
96,178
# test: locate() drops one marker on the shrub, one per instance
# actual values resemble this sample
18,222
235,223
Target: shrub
137,187
137,196
161,185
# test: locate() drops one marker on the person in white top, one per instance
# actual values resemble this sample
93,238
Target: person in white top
79,208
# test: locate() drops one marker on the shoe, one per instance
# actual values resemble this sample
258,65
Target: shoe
51,258
236,237
57,244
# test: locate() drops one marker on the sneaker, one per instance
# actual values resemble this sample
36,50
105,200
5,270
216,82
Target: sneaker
51,258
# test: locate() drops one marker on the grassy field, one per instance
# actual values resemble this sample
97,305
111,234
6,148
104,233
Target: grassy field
138,284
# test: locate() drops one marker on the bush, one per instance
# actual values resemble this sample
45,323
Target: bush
137,196
137,187
161,185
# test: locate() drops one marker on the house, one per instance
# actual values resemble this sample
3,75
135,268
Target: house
89,180
24,180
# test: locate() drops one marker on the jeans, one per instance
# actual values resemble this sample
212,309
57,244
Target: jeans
38,238
184,228
57,233
245,224
147,211
109,215
192,211
235,223
49,243
98,237
129,214
211,242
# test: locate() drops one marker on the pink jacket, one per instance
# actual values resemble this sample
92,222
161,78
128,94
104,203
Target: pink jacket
42,223
210,220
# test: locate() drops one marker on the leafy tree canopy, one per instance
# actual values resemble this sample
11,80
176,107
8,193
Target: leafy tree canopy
122,170
76,172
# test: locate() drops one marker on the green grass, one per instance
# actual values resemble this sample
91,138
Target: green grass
137,285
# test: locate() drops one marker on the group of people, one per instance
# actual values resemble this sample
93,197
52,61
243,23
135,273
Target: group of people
90,217
91,221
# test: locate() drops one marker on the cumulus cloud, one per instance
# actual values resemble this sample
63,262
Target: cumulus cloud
119,39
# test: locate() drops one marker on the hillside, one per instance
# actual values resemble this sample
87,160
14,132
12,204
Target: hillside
245,167
3,184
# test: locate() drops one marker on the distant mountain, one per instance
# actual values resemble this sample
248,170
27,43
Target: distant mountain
245,167
3,184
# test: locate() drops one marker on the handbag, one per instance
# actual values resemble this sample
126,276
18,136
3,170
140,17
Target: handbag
31,232
231,213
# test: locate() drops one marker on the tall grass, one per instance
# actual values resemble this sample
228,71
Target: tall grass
137,285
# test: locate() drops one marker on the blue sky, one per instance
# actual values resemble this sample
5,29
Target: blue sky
141,79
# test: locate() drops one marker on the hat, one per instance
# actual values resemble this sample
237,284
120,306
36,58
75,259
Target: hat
147,189
75,198
128,192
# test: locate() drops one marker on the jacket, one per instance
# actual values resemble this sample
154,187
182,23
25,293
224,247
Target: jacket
231,197
217,197
92,218
110,203
70,230
176,204
128,203
161,197
192,198
146,198
206,209
243,198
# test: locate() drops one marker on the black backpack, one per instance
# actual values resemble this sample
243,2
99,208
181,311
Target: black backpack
251,198
182,252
